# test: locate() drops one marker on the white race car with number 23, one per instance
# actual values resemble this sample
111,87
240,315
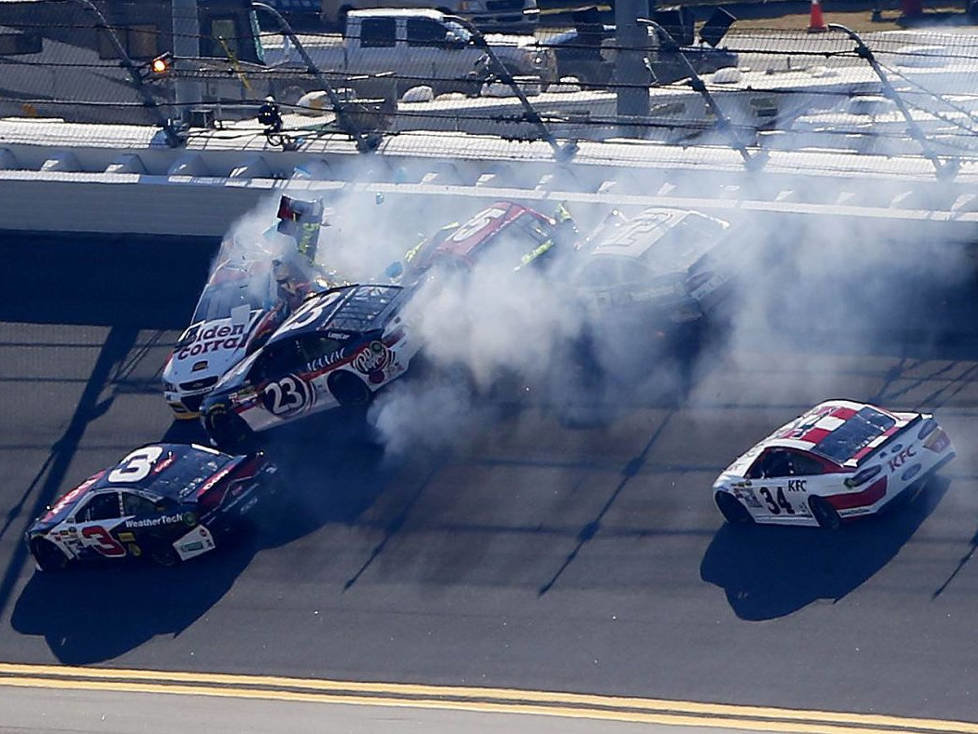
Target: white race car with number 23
338,348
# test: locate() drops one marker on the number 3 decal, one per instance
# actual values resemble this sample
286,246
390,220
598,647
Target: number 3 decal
104,543
137,466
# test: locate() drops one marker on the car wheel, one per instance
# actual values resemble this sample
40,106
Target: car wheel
49,557
825,514
228,430
348,389
732,509
165,556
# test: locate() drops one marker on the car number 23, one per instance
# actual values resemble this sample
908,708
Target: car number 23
287,395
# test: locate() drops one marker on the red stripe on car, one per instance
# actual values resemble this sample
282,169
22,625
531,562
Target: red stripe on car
815,435
871,495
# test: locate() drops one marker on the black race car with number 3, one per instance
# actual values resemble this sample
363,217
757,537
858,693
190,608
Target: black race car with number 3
170,502
338,348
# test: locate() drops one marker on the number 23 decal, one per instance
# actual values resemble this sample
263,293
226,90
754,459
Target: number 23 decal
777,503
287,395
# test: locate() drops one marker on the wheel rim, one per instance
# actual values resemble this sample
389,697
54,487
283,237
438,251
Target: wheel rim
165,557
824,514
350,390
732,510
48,556
227,429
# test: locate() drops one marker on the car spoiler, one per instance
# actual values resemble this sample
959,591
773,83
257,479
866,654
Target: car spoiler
871,455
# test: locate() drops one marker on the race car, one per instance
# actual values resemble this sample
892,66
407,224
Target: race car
339,348
252,290
658,269
838,461
169,502
517,235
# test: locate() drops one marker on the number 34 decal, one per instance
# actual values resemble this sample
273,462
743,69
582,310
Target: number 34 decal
777,502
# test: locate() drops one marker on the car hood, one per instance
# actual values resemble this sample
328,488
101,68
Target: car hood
209,348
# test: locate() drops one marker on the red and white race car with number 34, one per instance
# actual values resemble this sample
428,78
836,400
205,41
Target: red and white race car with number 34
839,460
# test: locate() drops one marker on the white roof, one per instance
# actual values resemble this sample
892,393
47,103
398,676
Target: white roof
397,13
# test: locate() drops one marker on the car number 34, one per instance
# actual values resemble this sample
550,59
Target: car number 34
776,501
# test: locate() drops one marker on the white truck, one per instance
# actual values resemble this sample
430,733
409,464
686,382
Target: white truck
417,47
496,14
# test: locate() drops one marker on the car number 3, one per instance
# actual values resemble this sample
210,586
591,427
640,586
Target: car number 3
285,396
102,541
137,466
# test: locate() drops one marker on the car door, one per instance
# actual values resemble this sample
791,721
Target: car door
96,522
782,479
437,55
148,521
277,376
377,51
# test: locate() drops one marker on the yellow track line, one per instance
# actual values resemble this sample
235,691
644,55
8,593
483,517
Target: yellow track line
494,700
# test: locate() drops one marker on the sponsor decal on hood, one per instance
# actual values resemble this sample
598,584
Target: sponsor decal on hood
209,348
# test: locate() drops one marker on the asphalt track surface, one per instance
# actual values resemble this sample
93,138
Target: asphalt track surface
537,552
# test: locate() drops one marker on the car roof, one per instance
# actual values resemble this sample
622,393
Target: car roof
171,454
352,308
636,237
465,247
842,431
398,13
99,481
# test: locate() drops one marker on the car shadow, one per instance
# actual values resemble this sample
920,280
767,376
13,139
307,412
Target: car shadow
770,572
113,610
331,473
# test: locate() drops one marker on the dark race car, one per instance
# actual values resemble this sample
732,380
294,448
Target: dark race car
339,348
170,502
662,268
511,233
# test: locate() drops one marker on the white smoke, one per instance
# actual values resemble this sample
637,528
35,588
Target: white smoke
820,292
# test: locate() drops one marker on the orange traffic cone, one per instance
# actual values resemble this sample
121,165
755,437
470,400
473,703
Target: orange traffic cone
816,23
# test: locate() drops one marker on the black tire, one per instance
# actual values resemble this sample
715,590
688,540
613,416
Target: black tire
349,390
732,509
165,556
49,557
229,431
825,514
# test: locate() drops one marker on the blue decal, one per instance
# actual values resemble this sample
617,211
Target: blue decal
910,473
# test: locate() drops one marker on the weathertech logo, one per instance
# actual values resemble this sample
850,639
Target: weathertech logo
155,522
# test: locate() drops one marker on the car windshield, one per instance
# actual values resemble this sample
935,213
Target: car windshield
519,242
218,300
458,30
662,242
845,441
